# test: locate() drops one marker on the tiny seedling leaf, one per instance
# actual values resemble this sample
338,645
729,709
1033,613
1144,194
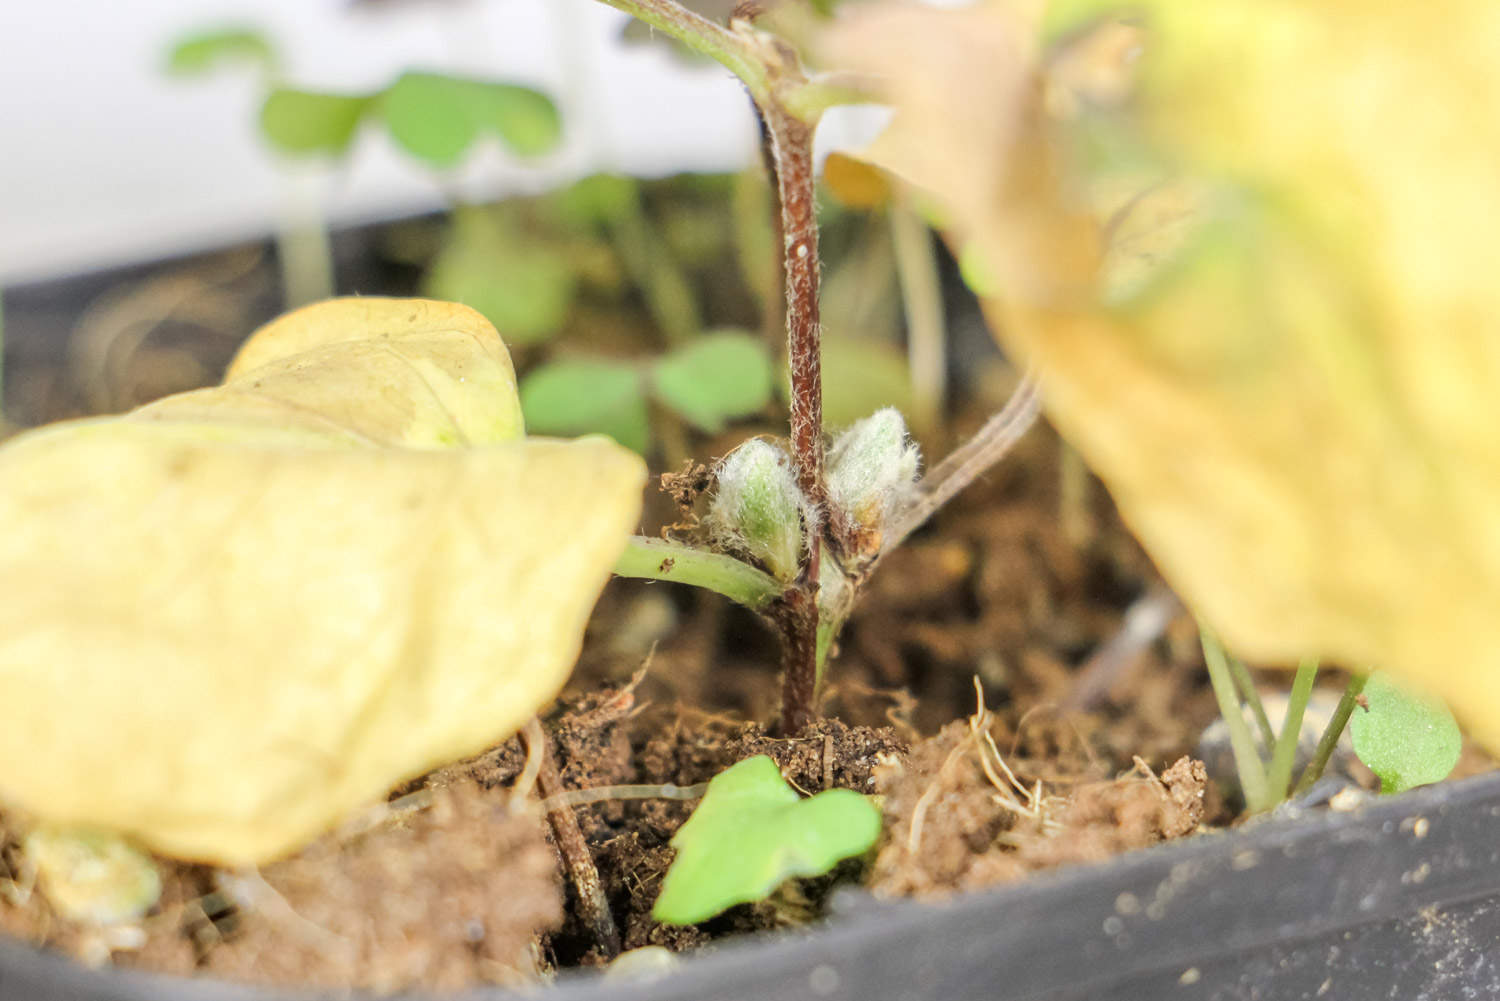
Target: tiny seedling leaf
305,121
752,833
588,397
1405,738
436,117
718,377
524,289
203,51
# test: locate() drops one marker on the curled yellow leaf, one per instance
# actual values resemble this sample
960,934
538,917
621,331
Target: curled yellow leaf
1258,291
235,615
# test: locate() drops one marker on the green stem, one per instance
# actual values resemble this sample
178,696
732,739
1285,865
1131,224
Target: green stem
734,51
1284,755
1248,692
809,99
922,301
1247,761
669,296
1331,734
655,559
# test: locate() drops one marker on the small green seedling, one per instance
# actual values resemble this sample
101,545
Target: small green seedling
1405,738
717,377
751,833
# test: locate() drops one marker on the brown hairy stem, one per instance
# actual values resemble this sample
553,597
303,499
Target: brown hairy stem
791,156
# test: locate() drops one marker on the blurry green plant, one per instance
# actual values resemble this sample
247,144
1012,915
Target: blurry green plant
718,377
1407,739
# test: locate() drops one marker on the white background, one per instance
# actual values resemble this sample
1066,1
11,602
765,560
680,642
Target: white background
105,160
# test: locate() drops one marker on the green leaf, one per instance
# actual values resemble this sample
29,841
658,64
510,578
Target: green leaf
751,833
574,397
304,121
525,290
437,117
200,52
719,376
1405,738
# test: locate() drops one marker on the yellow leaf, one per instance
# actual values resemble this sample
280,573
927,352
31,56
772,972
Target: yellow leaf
1259,294
235,615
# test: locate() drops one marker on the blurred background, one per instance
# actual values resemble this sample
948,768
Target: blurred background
176,172
110,159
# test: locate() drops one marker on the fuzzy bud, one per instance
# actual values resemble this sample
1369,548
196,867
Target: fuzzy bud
871,466
758,508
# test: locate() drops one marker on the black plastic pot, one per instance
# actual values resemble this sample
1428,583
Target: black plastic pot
1400,899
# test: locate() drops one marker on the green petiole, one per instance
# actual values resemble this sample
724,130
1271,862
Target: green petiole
656,559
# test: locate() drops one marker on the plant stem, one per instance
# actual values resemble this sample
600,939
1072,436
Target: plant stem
1284,755
1247,763
791,152
789,107
922,301
966,463
655,559
732,50
1331,734
1248,692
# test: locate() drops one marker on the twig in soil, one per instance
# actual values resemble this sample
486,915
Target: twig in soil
572,847
600,794
979,727
924,802
249,891
967,463
1145,621
526,781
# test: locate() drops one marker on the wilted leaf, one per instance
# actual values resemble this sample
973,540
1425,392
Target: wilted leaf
437,117
752,833
588,397
717,377
1293,401
855,183
304,121
237,614
202,51
1405,738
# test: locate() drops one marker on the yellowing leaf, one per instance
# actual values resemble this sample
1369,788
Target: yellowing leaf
1259,295
235,615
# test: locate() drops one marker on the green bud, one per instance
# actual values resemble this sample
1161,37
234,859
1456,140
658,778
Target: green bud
870,467
758,508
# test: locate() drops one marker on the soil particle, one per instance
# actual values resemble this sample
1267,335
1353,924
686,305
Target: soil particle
445,895
449,896
956,820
